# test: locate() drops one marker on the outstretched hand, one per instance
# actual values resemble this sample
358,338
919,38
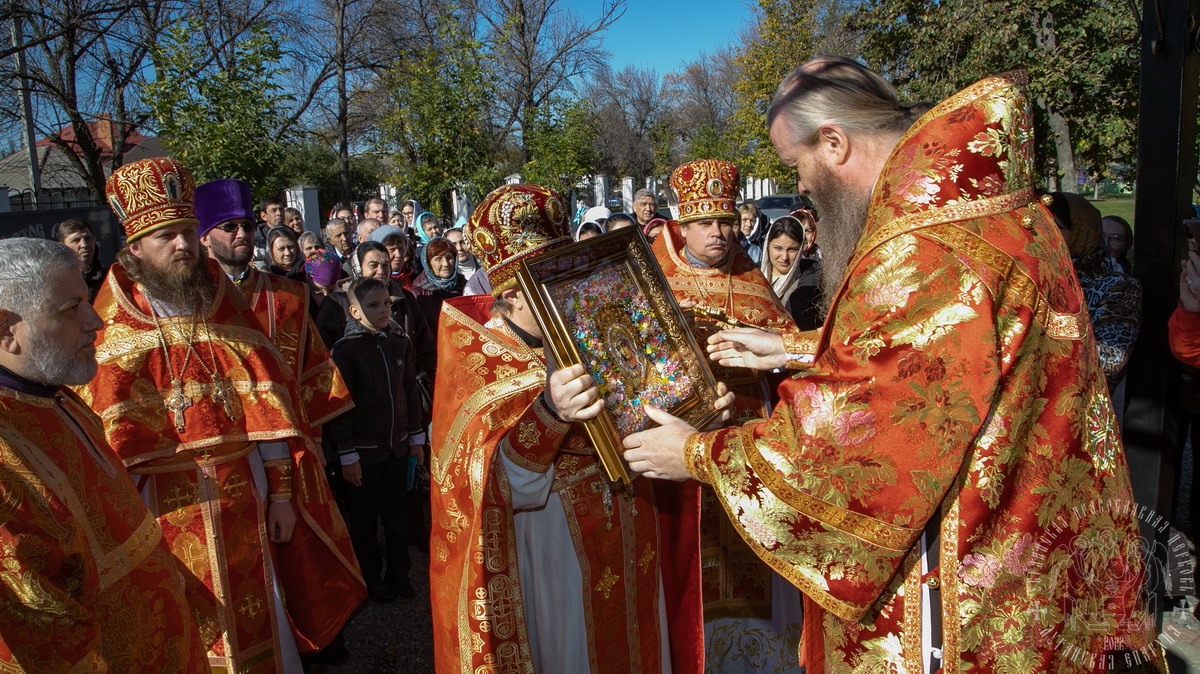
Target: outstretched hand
658,452
748,347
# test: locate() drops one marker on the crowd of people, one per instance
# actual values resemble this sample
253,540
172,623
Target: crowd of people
913,419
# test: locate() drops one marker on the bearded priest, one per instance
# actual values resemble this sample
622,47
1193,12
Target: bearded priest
203,410
945,482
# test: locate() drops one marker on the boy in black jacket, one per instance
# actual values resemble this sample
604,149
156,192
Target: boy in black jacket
376,439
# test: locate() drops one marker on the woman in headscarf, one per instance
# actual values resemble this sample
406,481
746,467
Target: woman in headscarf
587,230
399,247
410,210
1114,299
429,227
440,279
796,279
324,269
654,228
283,253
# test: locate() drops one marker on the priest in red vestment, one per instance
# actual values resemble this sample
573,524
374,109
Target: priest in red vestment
707,269
945,483
225,215
203,409
751,615
86,581
536,562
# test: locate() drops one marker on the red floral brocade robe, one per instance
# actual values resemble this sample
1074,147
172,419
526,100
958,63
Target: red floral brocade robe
281,306
200,482
487,401
956,391
86,583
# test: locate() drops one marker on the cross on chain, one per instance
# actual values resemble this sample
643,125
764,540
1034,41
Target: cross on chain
223,394
177,402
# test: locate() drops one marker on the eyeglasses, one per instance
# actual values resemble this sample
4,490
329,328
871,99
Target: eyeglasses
233,227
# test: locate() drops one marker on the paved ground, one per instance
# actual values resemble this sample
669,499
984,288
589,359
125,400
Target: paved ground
396,637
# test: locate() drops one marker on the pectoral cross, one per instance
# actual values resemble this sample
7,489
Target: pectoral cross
223,395
177,402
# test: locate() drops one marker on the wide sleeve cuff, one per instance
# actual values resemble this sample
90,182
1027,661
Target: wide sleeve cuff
696,452
801,347
534,440
279,479
277,460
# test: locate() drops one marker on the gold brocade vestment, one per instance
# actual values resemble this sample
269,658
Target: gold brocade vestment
86,583
204,483
957,386
736,585
488,401
320,546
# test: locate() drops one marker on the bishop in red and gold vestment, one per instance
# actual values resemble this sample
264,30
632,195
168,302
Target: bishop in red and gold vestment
535,564
86,583
705,266
202,408
945,483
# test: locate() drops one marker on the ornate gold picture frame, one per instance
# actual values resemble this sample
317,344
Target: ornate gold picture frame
604,302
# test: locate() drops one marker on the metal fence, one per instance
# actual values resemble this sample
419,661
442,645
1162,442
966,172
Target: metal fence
40,224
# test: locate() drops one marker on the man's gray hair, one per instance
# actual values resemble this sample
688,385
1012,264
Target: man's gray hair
25,267
644,193
839,91
332,222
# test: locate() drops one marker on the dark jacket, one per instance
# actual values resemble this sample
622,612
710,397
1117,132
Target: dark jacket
333,320
379,371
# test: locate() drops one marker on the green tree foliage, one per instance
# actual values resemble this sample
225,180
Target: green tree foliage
437,127
1084,86
781,39
561,142
220,122
315,163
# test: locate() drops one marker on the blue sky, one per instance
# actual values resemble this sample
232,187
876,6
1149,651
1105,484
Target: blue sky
664,34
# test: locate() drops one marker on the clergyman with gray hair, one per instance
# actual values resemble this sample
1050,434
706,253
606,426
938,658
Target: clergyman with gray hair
82,554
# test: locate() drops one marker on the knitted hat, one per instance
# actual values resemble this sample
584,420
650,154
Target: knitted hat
705,188
219,201
150,194
512,223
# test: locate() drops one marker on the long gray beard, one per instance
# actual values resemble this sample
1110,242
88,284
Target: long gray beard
843,217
